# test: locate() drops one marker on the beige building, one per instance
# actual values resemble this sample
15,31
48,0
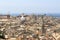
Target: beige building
30,29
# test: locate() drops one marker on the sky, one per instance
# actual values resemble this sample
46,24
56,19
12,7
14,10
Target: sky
29,6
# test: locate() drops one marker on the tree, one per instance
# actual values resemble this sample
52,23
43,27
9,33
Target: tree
2,35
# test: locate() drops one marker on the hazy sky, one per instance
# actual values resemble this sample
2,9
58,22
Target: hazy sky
30,6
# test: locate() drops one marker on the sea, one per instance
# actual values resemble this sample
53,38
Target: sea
53,14
48,14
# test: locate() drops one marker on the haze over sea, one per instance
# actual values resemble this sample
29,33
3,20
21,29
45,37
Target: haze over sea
16,7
